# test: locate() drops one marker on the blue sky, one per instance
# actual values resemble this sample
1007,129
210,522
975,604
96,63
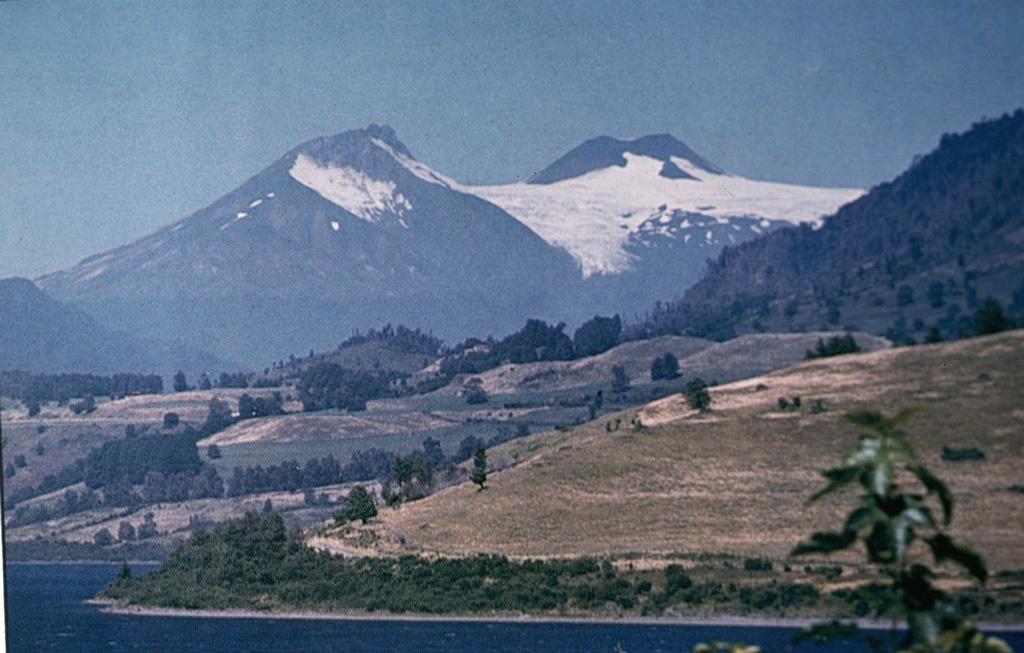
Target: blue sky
119,117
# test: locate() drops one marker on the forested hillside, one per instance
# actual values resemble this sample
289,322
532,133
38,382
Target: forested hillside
923,250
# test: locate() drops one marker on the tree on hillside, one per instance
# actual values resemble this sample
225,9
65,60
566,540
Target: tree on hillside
358,505
204,381
171,420
473,391
836,346
148,527
479,473
990,318
103,537
697,395
934,335
665,367
597,336
126,532
433,452
218,417
179,384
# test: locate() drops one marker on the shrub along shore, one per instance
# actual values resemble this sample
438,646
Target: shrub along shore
253,565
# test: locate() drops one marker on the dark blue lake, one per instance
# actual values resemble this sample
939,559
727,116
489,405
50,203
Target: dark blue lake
46,612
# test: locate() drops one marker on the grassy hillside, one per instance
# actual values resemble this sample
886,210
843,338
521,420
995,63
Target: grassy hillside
735,480
739,358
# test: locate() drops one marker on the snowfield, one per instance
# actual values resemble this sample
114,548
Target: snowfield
593,216
358,193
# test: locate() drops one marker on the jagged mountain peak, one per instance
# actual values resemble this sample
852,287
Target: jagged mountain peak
356,147
605,152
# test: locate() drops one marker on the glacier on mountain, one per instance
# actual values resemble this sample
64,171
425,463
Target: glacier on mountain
593,216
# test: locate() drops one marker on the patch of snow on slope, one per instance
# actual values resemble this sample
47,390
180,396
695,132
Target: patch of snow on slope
415,167
357,193
585,215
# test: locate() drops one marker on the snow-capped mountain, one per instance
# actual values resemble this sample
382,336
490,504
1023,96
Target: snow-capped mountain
607,200
351,231
340,233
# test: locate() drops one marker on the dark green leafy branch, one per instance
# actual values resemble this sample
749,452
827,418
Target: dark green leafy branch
889,519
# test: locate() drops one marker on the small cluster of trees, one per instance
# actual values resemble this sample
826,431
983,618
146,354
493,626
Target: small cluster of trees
126,532
87,405
835,346
128,460
665,367
473,391
537,341
358,505
260,406
329,385
234,380
179,382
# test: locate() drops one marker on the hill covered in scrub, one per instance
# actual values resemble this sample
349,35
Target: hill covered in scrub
921,250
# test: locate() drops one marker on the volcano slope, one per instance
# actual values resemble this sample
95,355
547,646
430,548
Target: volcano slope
735,480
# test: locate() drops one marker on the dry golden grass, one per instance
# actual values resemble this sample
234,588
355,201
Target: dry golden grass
736,480
741,357
312,427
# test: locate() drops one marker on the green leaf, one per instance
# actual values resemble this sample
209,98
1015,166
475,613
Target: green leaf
904,528
863,517
876,421
838,477
825,542
902,417
881,478
869,419
898,449
881,543
935,486
867,452
944,548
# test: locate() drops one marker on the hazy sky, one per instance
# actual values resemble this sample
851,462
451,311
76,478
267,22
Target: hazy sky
119,117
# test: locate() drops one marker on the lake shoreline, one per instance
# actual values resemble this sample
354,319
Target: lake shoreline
736,621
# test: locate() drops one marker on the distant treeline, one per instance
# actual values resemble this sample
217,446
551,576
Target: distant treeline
413,472
536,341
63,387
401,339
290,476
